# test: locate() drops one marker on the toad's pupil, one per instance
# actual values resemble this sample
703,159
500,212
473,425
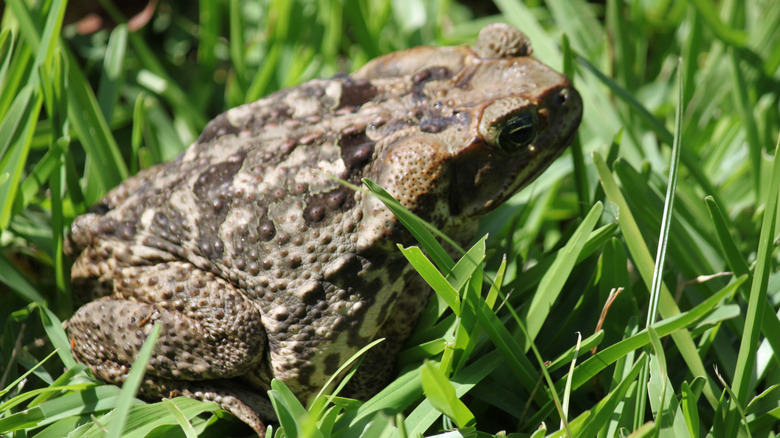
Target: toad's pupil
518,133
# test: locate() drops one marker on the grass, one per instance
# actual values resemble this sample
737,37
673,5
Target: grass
694,81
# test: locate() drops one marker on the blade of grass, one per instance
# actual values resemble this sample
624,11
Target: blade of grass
112,74
666,221
440,392
177,413
289,410
590,421
93,399
210,23
51,33
567,388
424,415
7,40
93,130
721,31
689,408
553,281
660,257
132,383
415,226
237,44
691,162
432,276
578,158
593,365
770,324
758,292
668,417
638,249
12,164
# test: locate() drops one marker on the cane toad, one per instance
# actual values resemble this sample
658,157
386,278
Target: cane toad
259,265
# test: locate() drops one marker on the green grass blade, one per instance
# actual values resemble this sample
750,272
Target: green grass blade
689,409
745,108
578,158
93,132
111,76
419,230
132,383
663,401
644,263
763,412
432,276
16,139
50,35
770,324
7,41
655,289
658,267
180,417
758,292
424,415
593,365
17,282
441,394
291,413
590,421
723,32
237,43
555,278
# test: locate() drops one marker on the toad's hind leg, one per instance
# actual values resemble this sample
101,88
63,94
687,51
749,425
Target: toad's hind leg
251,407
210,331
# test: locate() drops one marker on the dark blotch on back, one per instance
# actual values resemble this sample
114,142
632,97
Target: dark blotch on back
421,78
362,289
332,362
212,189
216,179
434,121
434,125
319,206
356,93
217,128
356,148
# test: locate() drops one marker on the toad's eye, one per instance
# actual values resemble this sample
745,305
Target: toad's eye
518,132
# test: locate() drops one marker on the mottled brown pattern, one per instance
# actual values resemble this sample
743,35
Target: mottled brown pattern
259,264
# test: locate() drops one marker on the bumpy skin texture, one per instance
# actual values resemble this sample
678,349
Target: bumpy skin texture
259,265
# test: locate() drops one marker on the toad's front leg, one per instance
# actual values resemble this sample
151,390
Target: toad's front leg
211,335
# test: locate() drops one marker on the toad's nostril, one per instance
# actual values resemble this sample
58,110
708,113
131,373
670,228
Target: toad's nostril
563,96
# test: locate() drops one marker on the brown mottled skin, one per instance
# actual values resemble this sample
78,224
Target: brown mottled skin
259,266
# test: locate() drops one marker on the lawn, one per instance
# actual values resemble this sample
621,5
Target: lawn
633,289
